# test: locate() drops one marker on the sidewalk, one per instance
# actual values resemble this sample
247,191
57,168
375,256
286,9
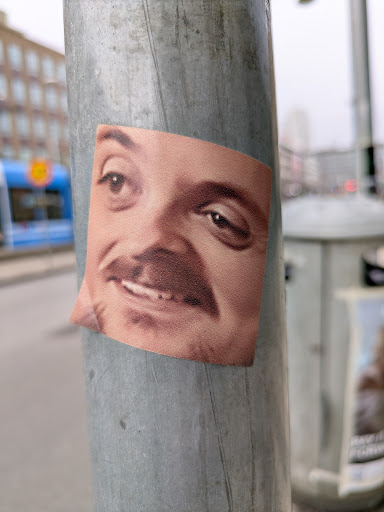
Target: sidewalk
35,263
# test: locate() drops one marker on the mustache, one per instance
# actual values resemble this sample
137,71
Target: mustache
164,271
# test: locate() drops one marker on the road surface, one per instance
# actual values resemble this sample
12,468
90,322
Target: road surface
44,463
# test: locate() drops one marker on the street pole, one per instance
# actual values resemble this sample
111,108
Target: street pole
166,433
362,95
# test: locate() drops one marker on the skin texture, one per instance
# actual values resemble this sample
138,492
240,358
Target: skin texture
176,245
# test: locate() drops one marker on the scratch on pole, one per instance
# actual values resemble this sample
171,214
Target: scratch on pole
221,444
155,61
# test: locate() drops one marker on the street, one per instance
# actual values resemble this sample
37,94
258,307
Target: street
44,464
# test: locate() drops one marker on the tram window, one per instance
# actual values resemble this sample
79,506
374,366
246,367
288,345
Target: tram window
28,205
22,204
54,204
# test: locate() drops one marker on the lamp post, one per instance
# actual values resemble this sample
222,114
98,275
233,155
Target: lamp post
365,161
362,93
166,433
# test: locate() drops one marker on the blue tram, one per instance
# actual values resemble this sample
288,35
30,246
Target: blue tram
30,216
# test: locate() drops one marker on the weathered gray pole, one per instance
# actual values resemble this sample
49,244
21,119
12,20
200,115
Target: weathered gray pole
168,434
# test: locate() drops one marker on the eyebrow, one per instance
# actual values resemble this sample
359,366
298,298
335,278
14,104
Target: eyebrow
119,136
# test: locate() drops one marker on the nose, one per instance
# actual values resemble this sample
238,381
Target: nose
160,230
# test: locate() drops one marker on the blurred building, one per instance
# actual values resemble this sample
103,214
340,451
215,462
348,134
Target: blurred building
33,99
332,171
294,146
336,168
295,132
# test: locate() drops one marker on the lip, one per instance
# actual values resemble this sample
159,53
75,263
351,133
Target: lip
155,295
147,297
161,282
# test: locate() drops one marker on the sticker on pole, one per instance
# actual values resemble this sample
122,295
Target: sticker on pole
177,241
40,173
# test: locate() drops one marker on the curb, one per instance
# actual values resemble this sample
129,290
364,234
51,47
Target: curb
34,264
36,275
13,254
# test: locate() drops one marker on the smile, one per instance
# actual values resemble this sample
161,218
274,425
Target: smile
157,296
161,283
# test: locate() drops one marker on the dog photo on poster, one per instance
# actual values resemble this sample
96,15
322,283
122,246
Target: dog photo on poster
177,241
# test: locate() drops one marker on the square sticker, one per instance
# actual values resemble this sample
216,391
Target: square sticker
177,240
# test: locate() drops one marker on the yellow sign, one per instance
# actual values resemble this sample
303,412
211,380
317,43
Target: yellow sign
40,173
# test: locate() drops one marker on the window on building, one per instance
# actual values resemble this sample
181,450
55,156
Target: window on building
63,101
53,139
32,63
25,153
51,97
7,151
22,125
39,127
41,152
61,75
54,130
65,157
5,123
19,91
36,94
65,131
15,56
54,151
48,68
3,87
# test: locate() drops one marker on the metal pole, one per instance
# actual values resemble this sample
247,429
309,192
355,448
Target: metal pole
362,94
166,433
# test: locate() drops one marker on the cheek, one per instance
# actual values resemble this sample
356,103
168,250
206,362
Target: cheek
104,225
241,290
103,230
235,276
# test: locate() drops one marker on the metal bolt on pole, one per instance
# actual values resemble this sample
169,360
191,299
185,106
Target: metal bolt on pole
169,434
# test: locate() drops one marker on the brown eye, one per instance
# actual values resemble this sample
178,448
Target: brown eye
222,223
226,224
120,183
219,220
120,189
115,181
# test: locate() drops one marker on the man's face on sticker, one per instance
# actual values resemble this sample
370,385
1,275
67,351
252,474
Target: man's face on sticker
176,244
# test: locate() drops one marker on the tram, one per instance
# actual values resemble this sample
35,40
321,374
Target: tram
34,216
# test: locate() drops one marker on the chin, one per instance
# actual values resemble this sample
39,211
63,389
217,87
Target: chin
194,342
182,331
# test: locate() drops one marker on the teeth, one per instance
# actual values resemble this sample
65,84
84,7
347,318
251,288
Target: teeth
150,293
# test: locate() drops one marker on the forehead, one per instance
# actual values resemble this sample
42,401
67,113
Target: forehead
187,157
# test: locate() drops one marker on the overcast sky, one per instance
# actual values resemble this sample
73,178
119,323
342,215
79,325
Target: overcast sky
312,60
313,67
